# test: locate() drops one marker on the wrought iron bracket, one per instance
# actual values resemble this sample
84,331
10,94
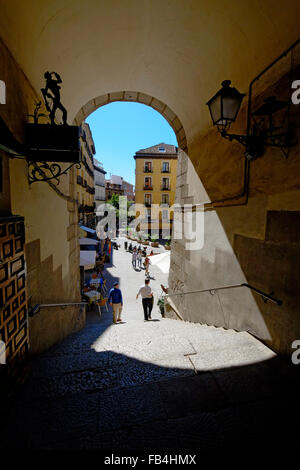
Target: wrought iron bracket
242,139
38,171
256,143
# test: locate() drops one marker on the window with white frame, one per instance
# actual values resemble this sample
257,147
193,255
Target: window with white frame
165,199
148,182
165,183
148,167
165,167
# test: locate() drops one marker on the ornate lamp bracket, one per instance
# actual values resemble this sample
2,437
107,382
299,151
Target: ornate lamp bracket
38,171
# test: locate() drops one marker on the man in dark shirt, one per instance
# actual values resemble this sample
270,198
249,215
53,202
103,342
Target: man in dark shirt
115,300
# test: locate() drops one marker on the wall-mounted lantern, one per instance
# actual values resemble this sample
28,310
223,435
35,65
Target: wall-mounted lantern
224,107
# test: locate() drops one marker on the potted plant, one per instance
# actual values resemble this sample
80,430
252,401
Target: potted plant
168,243
154,241
161,305
144,237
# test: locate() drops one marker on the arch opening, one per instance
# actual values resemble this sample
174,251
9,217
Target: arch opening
136,97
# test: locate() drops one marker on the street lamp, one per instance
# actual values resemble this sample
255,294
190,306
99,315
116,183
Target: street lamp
224,107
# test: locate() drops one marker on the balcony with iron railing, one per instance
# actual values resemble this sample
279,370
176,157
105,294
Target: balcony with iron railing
88,169
165,187
148,170
90,190
148,188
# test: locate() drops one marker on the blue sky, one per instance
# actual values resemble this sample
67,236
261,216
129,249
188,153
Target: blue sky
120,129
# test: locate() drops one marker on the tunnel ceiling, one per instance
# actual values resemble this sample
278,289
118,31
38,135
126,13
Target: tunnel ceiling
176,51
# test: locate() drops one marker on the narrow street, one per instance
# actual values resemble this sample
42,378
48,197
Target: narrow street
162,384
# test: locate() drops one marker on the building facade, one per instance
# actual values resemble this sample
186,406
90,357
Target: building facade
114,186
128,190
99,179
85,179
155,184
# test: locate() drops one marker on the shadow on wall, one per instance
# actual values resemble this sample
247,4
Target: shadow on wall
257,242
241,244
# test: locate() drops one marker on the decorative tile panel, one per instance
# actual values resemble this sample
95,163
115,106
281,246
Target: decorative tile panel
13,298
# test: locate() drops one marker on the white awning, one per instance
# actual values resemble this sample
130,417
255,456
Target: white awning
162,261
88,241
87,259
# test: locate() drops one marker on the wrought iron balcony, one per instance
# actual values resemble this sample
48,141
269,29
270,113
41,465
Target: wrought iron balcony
90,190
165,188
148,188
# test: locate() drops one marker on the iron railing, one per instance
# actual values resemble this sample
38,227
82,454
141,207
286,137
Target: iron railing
263,294
32,311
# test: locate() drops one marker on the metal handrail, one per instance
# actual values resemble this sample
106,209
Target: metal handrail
36,308
263,294
67,304
234,286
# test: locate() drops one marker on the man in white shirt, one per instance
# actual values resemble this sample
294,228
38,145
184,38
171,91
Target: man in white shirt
147,299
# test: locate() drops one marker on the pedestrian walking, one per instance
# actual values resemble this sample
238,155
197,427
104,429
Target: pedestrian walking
134,257
147,263
147,299
115,300
139,258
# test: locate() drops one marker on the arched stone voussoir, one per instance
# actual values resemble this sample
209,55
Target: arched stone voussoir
136,97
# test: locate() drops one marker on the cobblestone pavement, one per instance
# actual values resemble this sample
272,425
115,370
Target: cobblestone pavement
162,384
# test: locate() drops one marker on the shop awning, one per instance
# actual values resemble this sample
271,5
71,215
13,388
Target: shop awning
87,259
88,241
86,231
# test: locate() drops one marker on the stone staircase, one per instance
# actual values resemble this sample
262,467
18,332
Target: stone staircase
166,385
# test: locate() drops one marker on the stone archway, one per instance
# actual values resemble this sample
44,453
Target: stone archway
136,97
